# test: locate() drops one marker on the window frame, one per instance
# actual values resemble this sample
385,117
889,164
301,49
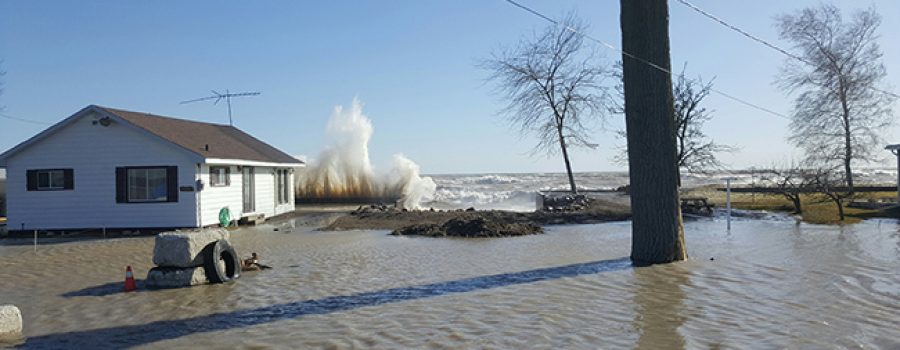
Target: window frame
67,180
50,183
213,176
128,171
282,196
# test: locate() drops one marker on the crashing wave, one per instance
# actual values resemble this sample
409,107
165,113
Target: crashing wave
343,172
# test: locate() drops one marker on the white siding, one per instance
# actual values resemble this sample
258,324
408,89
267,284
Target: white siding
266,196
265,191
94,152
289,206
213,199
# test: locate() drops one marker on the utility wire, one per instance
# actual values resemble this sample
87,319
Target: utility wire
7,116
764,42
639,59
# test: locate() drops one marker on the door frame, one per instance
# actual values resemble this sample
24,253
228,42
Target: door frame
248,188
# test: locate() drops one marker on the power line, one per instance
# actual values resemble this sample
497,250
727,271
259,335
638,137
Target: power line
639,59
763,41
742,32
7,116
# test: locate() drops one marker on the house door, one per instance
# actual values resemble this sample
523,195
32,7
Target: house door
248,190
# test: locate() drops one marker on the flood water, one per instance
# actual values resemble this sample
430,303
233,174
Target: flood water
772,284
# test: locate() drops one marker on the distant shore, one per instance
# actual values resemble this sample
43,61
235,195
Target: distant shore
613,206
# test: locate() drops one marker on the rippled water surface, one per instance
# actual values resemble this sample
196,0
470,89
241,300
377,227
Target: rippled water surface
772,284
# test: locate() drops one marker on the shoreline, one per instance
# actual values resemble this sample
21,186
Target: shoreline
605,207
477,223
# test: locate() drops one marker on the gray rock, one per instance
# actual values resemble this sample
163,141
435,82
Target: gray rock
174,277
10,322
182,248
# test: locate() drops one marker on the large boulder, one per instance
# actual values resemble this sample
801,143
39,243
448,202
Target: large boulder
175,277
10,322
182,248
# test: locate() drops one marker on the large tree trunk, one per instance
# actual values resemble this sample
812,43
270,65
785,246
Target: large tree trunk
565,153
657,231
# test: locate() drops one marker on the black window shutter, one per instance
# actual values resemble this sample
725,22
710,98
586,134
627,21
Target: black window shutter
228,176
69,181
31,180
121,185
172,182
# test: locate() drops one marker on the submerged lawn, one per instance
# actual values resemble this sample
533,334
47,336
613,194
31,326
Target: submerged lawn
817,209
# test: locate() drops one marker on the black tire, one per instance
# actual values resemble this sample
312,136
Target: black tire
217,251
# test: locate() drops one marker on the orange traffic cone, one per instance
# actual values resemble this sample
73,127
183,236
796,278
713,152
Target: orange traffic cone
129,280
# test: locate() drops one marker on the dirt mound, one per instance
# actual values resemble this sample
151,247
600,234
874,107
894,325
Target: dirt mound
471,227
479,223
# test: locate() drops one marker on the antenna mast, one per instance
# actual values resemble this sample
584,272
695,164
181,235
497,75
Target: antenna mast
226,96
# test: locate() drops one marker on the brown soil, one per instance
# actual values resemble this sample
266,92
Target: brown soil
476,223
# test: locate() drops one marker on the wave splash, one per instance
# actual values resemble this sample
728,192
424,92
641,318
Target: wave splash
343,171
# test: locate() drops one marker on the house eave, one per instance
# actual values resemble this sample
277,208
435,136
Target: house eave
243,162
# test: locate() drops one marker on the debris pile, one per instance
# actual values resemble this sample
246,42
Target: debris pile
567,203
189,258
374,208
470,227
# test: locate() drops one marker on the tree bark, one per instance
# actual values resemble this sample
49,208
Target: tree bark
797,208
657,229
565,153
840,206
848,146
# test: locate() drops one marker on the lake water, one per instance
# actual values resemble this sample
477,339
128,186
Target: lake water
772,284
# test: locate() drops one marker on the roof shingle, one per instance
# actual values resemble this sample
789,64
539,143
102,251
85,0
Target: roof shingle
206,139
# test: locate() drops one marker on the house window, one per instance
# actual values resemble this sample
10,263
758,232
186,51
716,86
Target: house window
219,176
147,184
50,179
281,186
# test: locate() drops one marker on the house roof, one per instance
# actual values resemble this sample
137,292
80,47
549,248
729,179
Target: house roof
210,141
206,139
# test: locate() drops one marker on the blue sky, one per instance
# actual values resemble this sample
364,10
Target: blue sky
412,63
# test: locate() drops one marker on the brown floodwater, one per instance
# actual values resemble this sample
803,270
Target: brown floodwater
772,284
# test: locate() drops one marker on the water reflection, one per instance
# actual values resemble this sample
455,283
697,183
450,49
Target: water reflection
773,284
155,331
659,299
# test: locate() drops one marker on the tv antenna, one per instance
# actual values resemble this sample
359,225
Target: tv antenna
219,97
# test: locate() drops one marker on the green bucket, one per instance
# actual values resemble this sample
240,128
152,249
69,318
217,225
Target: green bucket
225,217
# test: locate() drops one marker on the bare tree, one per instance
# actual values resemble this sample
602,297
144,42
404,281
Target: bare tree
553,88
838,109
790,182
829,183
695,153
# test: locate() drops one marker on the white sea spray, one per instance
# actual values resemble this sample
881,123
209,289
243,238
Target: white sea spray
343,169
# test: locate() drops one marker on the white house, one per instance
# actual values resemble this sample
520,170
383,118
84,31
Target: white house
104,167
